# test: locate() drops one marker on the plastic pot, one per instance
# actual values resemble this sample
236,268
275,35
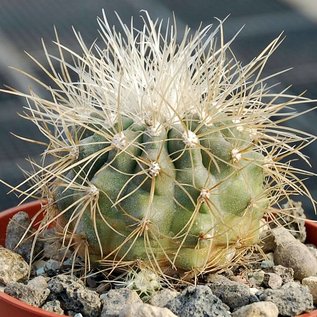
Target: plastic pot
11,307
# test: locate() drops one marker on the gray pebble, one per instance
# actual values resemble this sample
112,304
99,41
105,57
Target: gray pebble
145,310
272,280
34,296
259,309
291,299
161,298
114,301
290,252
254,291
38,267
52,267
229,292
311,283
286,273
53,306
255,278
74,296
198,301
16,228
40,271
38,282
267,264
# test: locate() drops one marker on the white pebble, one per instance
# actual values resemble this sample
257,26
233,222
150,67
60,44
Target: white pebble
311,283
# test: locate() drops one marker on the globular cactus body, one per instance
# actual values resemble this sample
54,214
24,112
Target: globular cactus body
180,196
164,152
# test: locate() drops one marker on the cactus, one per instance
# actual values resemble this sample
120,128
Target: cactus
161,153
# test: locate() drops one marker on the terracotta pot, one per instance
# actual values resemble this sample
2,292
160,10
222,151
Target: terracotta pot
11,307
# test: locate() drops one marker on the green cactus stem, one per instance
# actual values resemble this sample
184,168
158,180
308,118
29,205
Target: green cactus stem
163,152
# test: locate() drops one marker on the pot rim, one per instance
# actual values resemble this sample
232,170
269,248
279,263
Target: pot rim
26,307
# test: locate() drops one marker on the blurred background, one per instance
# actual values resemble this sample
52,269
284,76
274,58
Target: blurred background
24,23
